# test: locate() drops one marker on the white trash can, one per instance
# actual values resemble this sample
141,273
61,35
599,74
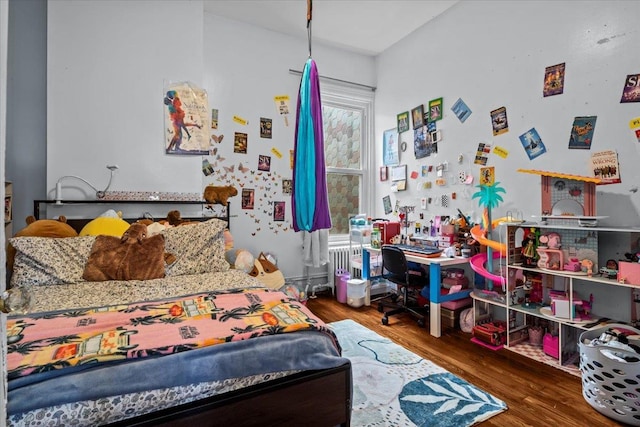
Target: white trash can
356,292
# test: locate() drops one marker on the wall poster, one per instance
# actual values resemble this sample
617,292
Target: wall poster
186,118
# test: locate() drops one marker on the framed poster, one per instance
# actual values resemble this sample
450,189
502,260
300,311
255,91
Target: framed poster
403,122
278,211
417,116
435,109
390,153
383,173
399,173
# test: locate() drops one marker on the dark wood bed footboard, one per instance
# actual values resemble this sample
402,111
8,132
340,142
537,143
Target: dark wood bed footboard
314,398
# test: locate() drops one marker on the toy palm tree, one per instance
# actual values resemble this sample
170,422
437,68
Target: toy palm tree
490,198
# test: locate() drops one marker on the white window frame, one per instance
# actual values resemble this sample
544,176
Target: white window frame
346,97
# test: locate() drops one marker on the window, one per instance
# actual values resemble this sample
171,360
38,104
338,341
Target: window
347,115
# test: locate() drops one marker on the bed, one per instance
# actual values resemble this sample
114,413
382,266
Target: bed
105,353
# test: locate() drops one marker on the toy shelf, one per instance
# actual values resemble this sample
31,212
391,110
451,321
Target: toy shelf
606,300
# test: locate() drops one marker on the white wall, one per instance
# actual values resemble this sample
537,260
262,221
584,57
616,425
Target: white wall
108,62
493,54
107,65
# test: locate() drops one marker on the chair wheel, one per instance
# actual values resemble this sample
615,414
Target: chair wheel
380,307
421,323
385,320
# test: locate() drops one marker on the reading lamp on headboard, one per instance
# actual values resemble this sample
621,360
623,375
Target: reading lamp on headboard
99,193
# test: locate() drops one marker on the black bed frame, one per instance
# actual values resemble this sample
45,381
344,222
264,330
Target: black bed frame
311,398
321,398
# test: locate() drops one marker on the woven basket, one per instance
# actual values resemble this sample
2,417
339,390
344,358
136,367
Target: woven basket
610,386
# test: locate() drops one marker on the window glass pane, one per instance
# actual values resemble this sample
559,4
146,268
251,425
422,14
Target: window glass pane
344,200
342,136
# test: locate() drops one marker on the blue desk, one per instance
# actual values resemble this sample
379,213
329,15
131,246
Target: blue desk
435,297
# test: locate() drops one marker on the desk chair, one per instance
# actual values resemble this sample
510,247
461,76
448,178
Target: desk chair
396,270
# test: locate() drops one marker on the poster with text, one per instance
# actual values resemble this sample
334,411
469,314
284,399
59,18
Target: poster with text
532,144
631,91
390,153
554,80
582,132
499,121
186,118
604,165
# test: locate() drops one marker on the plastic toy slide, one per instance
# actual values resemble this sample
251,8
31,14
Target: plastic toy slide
478,262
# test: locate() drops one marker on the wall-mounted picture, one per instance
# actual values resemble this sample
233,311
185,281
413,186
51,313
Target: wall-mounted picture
403,122
417,116
186,119
386,202
499,121
400,185
553,80
247,198
240,143
287,186
631,91
605,166
383,173
435,109
532,143
390,152
278,211
399,173
265,127
582,132
264,163
461,110
420,146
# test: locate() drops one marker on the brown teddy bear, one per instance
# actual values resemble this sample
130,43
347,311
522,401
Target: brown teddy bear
134,256
41,228
219,194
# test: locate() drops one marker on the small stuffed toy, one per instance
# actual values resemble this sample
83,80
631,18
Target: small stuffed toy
219,195
174,218
134,256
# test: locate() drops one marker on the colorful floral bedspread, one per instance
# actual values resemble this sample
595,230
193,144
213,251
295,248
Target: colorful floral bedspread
52,341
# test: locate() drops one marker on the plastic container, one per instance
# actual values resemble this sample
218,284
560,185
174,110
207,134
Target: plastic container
608,385
356,292
342,276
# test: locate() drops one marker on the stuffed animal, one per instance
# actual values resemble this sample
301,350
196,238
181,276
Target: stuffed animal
219,195
174,218
109,223
134,256
41,228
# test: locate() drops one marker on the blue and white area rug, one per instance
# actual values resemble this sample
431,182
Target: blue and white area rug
394,387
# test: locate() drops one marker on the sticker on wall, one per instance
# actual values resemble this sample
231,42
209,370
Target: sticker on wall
634,125
217,139
282,105
487,176
414,175
207,168
240,142
186,119
445,201
424,170
553,80
265,127
248,198
532,143
243,169
278,211
631,90
500,152
277,153
461,110
239,120
582,132
499,121
214,118
287,186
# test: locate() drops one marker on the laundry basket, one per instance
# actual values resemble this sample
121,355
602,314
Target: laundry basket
612,387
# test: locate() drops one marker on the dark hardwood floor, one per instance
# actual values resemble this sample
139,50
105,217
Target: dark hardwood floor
536,394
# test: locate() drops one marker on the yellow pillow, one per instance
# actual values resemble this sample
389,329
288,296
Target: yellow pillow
105,226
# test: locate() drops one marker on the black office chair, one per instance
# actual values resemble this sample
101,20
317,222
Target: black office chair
396,270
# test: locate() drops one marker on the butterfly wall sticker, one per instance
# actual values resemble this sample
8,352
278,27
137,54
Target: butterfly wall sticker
217,139
243,169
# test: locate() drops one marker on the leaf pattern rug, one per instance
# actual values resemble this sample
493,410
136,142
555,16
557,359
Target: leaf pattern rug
395,387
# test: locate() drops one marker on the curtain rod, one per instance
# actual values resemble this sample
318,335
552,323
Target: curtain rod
372,88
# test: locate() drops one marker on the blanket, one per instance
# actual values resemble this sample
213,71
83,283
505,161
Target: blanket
56,340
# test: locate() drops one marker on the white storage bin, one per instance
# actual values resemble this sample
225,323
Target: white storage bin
356,292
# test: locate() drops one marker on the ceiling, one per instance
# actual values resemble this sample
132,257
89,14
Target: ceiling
362,26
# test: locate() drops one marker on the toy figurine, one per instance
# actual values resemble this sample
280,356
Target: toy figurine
529,249
587,265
